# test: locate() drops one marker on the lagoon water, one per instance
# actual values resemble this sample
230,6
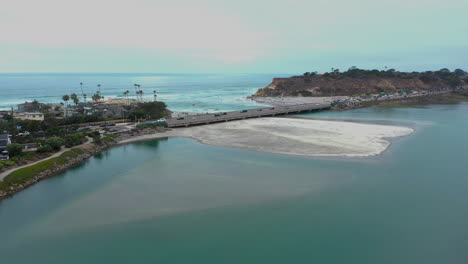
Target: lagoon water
179,201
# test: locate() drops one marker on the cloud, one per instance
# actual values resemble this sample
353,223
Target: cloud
126,24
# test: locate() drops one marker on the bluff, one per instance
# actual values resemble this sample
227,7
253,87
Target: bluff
361,82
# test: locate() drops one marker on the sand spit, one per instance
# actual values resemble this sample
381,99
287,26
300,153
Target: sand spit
293,136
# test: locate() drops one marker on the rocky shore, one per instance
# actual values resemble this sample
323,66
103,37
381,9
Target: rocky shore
86,152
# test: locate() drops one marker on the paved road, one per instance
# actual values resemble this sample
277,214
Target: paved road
243,114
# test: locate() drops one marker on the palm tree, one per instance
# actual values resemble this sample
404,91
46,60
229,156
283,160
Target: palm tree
84,97
96,97
82,93
141,94
65,98
154,96
75,99
135,87
99,88
126,95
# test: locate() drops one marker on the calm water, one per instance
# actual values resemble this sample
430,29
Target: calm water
182,92
178,201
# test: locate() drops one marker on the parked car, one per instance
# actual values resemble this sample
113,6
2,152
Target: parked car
161,120
111,124
244,111
180,118
217,114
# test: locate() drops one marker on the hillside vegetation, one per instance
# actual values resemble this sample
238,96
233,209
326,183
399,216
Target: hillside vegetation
356,81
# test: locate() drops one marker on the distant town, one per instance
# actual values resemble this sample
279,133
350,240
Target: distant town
31,128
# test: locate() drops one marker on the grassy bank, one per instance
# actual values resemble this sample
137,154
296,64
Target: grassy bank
23,175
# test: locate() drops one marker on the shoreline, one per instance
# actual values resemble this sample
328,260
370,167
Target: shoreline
280,135
350,102
84,152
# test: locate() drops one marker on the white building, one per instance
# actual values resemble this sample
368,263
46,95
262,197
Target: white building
29,116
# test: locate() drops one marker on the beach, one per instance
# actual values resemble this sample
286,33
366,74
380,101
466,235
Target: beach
292,136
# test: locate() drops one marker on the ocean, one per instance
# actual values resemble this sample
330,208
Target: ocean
179,201
182,92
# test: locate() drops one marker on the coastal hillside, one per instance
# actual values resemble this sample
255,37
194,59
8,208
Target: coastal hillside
359,82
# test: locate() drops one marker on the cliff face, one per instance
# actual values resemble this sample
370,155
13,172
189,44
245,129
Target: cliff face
326,86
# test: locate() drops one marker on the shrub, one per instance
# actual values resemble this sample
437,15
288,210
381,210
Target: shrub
97,140
14,149
45,148
55,143
73,140
9,163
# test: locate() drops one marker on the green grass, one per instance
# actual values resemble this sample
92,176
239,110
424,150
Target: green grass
108,138
23,175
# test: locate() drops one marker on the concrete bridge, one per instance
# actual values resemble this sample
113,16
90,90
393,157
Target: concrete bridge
203,119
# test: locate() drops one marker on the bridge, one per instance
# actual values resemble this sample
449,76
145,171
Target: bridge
202,119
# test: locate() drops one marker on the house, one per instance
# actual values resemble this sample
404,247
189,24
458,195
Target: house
4,141
110,110
38,116
33,106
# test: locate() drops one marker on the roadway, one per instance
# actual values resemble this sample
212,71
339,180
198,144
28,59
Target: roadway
208,118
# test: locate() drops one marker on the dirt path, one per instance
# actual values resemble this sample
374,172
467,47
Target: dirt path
6,173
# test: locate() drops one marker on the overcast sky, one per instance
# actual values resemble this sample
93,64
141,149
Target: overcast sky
231,36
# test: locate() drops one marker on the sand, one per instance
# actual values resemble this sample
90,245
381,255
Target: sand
293,136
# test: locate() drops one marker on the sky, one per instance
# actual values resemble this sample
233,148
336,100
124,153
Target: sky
255,36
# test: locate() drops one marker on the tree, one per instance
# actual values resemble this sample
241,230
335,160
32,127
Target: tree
140,92
153,110
65,98
96,97
14,149
126,95
75,99
136,91
136,114
44,148
35,105
55,142
84,97
73,140
99,88
459,72
82,92
45,108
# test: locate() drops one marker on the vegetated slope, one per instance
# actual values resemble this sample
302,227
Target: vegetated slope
359,82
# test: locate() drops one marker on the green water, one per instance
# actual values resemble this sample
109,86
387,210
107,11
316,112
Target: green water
179,201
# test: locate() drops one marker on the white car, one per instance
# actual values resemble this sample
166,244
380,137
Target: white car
161,120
